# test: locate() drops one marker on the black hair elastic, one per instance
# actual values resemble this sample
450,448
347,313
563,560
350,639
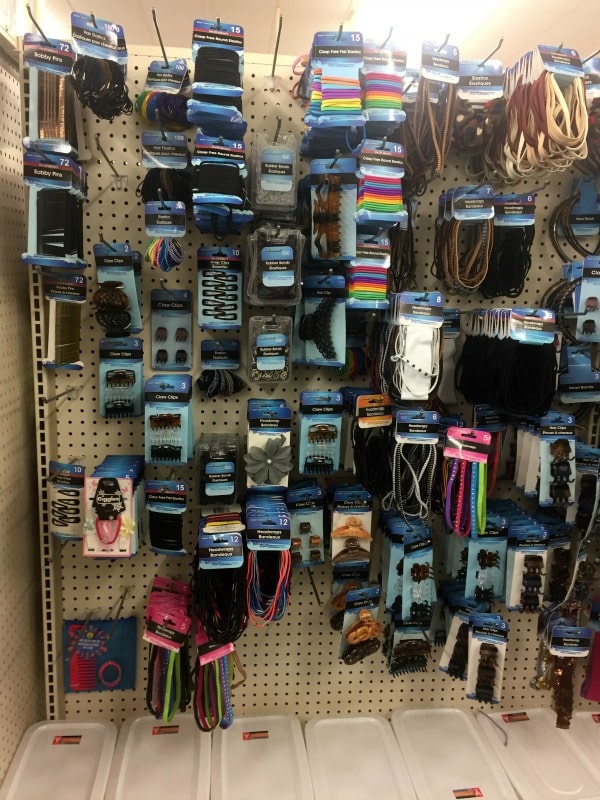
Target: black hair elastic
210,178
219,100
402,271
100,85
166,530
173,184
517,377
509,262
219,598
372,447
217,65
219,383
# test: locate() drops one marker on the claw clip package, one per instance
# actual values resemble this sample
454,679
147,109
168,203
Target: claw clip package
171,329
269,457
361,633
333,204
121,373
320,322
114,262
557,460
320,432
113,508
169,435
487,653
306,505
351,528
526,567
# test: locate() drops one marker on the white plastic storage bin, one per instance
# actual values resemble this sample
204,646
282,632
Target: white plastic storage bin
156,761
352,758
542,762
61,761
446,758
585,733
260,758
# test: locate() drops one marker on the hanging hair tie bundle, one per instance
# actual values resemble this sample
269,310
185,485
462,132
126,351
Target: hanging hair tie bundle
219,597
355,364
213,178
219,383
382,90
100,86
164,253
217,65
509,262
268,585
402,271
173,184
162,108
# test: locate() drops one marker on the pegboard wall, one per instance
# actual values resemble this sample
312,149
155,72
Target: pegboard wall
292,665
22,687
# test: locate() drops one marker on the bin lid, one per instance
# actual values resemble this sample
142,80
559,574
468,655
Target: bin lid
351,758
542,762
66,760
260,758
446,758
157,760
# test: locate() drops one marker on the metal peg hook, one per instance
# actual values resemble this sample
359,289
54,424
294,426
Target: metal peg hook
314,585
277,40
165,288
493,53
93,18
336,157
117,608
63,544
53,478
277,129
39,30
163,206
536,190
339,36
121,180
160,41
387,38
591,55
108,244
68,390
443,44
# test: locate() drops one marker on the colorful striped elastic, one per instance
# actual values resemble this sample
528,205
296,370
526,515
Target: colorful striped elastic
380,193
367,284
340,94
164,253
382,91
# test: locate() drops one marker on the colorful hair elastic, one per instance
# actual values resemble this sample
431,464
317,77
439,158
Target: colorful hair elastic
164,253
